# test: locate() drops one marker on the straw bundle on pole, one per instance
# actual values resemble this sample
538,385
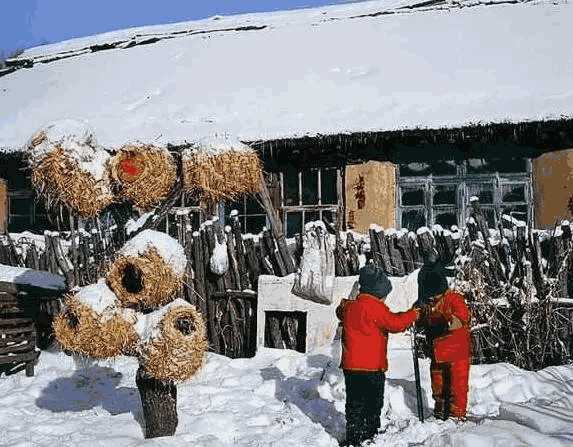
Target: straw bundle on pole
143,174
94,326
148,271
221,169
176,343
69,168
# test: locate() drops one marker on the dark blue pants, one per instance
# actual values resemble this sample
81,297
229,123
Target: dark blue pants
364,401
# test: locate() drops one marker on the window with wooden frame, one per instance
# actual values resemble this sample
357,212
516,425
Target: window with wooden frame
252,215
26,212
438,192
308,195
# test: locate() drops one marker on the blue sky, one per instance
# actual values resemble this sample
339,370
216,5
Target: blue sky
26,23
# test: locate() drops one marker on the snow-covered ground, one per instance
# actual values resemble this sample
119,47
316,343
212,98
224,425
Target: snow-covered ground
280,398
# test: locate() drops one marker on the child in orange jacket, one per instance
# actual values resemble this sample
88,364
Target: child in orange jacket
446,322
366,323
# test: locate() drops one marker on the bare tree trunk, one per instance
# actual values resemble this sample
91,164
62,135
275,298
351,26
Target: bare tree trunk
159,402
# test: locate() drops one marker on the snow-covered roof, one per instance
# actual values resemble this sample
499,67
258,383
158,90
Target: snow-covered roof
354,67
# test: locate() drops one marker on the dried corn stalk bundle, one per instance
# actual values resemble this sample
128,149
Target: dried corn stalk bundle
93,325
143,174
221,169
70,168
173,342
148,270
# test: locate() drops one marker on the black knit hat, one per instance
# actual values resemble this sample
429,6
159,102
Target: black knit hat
374,281
432,281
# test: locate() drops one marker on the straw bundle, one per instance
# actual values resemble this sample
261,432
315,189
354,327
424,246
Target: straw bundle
145,281
221,170
175,350
143,174
82,330
69,168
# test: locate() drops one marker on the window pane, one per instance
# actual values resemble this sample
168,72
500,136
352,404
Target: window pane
413,196
415,169
414,219
310,187
21,206
290,185
294,223
445,195
255,224
445,218
330,217
488,213
328,186
17,224
252,206
311,216
513,193
230,206
483,191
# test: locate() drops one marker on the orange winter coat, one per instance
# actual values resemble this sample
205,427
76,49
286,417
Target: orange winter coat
366,323
455,344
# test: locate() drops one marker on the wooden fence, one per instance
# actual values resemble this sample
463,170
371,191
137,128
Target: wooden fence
229,301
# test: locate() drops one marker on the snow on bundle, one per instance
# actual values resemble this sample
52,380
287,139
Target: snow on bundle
143,174
221,168
94,325
148,270
173,342
315,279
70,168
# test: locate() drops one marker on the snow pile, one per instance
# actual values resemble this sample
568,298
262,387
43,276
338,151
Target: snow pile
77,140
219,262
167,247
29,277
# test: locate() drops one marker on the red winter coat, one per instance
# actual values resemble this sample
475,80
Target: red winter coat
366,323
455,345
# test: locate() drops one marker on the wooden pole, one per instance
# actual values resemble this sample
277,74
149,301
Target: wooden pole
276,226
159,403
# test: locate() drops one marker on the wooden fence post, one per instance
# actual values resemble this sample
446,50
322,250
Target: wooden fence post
3,207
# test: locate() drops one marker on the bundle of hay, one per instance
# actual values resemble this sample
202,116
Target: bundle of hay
143,174
70,168
173,342
148,270
94,325
221,169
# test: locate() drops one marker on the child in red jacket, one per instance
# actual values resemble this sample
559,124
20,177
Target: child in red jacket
446,322
366,323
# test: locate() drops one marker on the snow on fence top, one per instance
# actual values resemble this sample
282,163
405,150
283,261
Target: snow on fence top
357,67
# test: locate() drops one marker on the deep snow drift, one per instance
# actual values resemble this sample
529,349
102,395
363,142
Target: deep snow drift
279,398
